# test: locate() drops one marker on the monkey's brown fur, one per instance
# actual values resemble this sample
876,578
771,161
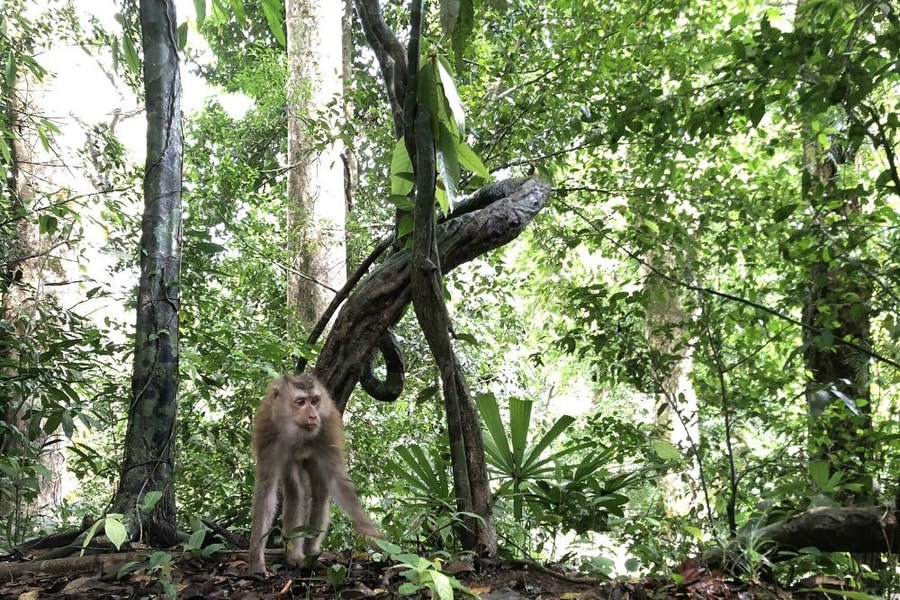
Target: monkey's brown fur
298,443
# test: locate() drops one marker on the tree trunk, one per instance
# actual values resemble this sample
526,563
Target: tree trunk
836,307
317,208
32,461
473,498
671,361
19,284
149,462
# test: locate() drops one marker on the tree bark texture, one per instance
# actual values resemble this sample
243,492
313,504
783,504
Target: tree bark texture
489,219
317,207
478,531
21,277
149,460
677,415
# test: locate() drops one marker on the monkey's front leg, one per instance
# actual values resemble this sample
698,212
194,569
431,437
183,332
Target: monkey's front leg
265,498
295,513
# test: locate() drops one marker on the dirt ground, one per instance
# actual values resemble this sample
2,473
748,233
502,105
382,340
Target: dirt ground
142,575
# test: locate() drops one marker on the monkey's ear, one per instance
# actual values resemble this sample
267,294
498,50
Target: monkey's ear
275,388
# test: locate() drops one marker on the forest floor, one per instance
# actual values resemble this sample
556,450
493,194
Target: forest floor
130,576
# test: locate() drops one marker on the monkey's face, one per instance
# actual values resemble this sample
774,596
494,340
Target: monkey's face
306,410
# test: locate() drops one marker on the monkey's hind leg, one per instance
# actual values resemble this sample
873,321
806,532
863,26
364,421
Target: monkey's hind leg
295,513
319,509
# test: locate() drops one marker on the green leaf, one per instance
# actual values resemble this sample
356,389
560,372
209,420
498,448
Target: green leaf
406,588
454,102
738,19
150,500
52,422
402,202
182,35
428,94
115,531
441,585
406,225
272,11
388,547
47,224
237,8
756,110
196,539
208,247
418,464
470,161
784,212
443,201
200,10
448,164
496,443
402,174
129,53
819,472
534,461
666,450
519,423
11,69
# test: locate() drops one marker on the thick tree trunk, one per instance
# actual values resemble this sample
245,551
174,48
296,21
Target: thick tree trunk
149,461
20,285
317,208
836,307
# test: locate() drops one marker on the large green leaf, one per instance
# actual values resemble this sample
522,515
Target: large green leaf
534,462
519,423
273,10
402,175
496,444
451,96
448,166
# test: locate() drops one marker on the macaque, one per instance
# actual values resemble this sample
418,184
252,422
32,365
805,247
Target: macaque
298,442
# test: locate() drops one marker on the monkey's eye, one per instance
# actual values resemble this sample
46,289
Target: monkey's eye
314,400
300,400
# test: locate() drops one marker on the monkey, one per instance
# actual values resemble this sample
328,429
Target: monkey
298,444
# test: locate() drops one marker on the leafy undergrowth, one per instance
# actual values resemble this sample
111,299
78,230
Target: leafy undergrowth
346,577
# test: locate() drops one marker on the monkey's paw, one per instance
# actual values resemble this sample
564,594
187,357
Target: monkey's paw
260,570
370,531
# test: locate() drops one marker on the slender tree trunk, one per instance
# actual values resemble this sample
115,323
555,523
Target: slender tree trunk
149,461
351,168
672,358
317,209
470,480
